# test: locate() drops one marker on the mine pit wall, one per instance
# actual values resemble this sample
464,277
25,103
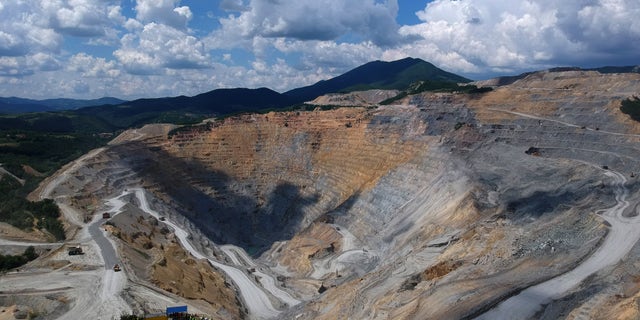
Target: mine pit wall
527,197
551,194
587,100
377,172
410,207
394,176
397,177
385,180
281,171
380,174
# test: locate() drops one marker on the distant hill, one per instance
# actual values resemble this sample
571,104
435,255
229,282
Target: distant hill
374,75
397,75
18,105
117,114
13,105
625,69
184,109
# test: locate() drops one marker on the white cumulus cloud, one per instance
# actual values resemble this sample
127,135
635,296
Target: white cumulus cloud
89,66
44,62
311,20
148,48
163,12
497,36
81,18
160,46
24,29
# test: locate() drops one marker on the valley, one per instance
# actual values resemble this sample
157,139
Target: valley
520,202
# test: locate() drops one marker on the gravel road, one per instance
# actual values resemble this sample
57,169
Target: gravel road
622,237
257,301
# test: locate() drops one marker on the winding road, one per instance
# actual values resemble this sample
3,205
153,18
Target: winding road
48,190
257,301
237,254
568,124
622,236
104,300
109,255
97,292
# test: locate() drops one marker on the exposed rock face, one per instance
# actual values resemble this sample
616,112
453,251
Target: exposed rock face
439,207
257,179
357,98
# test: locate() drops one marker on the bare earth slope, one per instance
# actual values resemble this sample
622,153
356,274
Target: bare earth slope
443,206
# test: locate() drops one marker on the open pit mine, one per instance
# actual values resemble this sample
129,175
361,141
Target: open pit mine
517,203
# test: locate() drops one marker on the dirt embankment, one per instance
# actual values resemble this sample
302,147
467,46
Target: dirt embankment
154,255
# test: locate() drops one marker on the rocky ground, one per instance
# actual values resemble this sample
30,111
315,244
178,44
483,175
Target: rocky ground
444,205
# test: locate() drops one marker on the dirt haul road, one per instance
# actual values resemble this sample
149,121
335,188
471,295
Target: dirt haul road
240,258
95,294
257,300
103,299
48,190
623,235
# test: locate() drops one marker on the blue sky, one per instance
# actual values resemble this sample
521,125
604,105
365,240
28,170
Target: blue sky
151,48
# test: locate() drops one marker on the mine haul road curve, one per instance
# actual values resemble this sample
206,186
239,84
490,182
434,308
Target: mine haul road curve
102,300
48,190
256,300
240,258
622,236
95,293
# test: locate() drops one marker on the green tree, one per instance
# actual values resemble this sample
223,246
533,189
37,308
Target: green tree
30,253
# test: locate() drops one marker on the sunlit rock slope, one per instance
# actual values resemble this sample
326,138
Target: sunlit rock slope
438,207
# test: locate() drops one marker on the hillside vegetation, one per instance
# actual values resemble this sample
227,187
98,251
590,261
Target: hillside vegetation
32,147
436,86
19,212
631,107
15,105
8,262
397,75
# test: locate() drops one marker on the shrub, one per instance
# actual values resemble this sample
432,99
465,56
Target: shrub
13,261
631,107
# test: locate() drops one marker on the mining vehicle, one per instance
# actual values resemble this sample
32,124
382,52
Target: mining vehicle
75,251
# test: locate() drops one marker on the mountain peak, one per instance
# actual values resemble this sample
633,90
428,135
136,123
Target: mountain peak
377,74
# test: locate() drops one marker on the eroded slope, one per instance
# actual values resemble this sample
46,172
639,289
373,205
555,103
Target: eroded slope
439,207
